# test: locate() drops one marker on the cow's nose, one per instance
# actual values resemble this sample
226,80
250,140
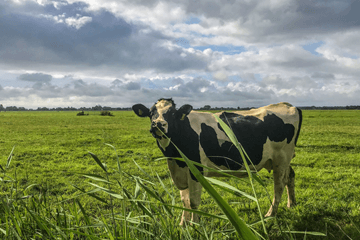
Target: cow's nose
160,125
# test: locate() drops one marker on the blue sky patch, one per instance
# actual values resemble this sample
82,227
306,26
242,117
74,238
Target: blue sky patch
228,49
193,20
312,47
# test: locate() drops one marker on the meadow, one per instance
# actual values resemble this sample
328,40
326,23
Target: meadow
53,188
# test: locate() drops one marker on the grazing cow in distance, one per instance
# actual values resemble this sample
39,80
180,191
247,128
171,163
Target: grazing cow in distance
268,135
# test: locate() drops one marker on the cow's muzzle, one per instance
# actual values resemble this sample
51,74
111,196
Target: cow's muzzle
157,129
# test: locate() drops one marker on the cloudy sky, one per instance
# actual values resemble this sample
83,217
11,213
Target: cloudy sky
60,53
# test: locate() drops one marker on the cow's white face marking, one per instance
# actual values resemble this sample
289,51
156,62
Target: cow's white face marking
157,118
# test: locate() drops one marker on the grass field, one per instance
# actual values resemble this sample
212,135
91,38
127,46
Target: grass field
52,156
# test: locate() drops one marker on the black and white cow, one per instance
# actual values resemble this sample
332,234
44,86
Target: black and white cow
268,135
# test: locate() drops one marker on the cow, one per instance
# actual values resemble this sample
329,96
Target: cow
268,135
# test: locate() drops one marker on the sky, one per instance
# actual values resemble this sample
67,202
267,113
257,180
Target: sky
222,53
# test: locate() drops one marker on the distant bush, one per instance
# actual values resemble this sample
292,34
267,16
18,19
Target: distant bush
81,114
106,113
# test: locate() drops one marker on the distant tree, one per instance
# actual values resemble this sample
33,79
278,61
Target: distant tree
71,109
97,108
207,107
11,108
1,108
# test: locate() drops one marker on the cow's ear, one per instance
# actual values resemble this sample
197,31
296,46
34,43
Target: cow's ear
182,112
141,110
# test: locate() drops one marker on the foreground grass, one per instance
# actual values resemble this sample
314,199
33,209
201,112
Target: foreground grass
52,152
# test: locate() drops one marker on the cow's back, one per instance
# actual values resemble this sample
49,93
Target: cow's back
283,110
263,132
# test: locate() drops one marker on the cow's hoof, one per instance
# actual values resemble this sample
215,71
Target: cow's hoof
291,205
270,214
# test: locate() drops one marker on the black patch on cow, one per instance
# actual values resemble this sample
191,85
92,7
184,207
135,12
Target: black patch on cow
226,154
251,133
277,130
186,139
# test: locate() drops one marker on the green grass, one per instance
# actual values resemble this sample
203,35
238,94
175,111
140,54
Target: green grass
52,151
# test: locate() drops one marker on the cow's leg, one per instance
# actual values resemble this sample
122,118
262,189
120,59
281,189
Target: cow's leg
185,198
291,188
280,173
191,198
180,176
195,189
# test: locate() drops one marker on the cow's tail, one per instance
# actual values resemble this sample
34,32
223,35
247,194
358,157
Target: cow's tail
300,122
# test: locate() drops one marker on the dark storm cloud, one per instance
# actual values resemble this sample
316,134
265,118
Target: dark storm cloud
29,41
177,81
309,18
132,86
81,88
35,77
279,21
323,75
116,83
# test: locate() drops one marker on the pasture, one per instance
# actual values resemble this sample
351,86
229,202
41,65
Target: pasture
51,168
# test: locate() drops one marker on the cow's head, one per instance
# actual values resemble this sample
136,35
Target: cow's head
163,116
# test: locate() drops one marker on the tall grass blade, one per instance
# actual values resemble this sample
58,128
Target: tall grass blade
30,186
15,233
256,177
156,196
9,158
107,227
242,152
15,222
142,170
165,188
117,157
230,188
91,193
307,233
96,178
86,217
98,161
241,228
111,193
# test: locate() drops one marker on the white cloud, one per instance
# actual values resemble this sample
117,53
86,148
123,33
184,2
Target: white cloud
220,75
78,22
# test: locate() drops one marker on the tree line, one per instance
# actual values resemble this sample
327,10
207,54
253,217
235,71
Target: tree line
95,108
206,107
